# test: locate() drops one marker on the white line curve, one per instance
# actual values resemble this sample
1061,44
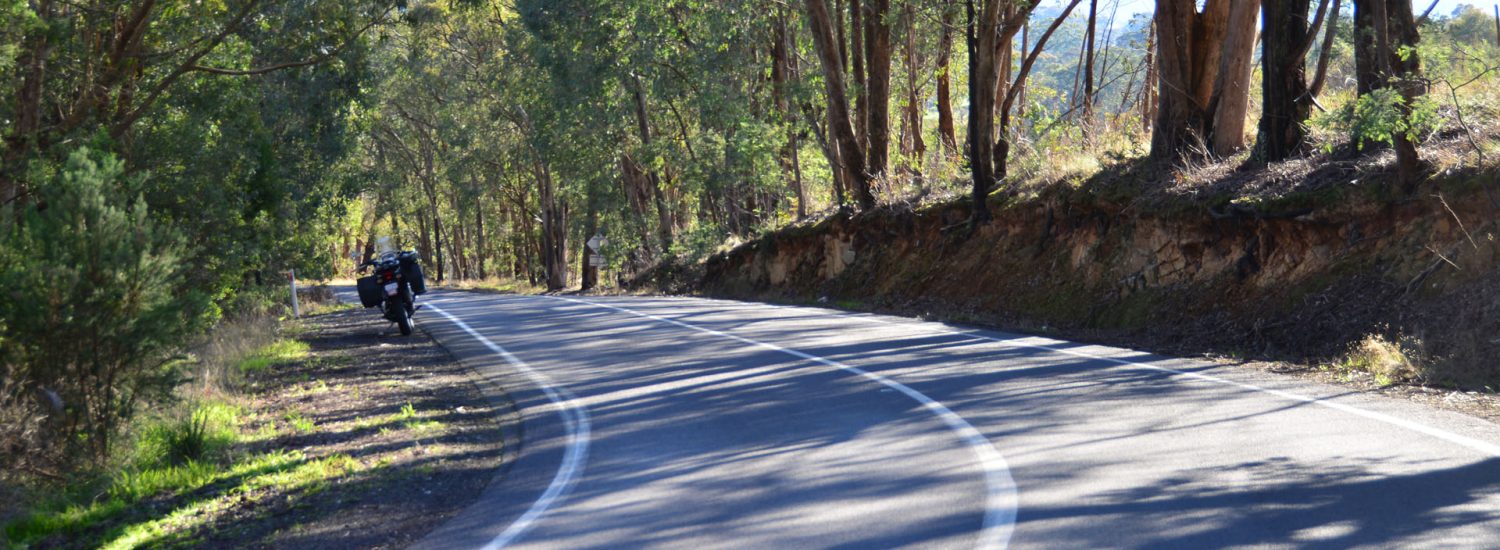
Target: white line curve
575,455
1001,503
1484,447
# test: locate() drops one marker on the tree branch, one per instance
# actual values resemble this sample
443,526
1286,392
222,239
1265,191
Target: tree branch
294,64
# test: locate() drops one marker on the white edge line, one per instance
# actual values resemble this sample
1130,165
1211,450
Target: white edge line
575,456
1474,444
1001,502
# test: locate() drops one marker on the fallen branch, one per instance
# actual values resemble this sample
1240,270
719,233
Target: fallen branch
1456,219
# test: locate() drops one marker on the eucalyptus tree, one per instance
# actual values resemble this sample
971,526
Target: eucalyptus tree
1388,70
1204,56
991,27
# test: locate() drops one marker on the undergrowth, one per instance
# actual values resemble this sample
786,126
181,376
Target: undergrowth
181,450
1388,361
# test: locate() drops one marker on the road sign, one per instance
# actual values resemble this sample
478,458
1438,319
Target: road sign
596,260
596,241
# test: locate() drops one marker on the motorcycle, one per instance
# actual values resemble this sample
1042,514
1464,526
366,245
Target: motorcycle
396,282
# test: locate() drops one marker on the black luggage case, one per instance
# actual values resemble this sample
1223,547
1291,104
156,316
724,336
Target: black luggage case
411,272
370,292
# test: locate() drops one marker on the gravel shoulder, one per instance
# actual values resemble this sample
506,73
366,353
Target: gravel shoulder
426,440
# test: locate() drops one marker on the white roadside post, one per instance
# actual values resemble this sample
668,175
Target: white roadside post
291,279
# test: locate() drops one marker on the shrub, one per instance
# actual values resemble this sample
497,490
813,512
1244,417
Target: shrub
93,302
1389,361
1377,118
207,429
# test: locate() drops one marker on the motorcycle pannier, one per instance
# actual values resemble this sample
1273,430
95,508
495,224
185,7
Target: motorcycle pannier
370,293
411,271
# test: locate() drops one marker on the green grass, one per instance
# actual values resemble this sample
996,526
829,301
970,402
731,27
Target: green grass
299,422
851,305
407,418
315,388
416,422
407,414
280,352
280,473
319,308
288,474
171,456
209,428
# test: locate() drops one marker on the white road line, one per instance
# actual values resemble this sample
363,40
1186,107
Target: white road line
1001,502
575,419
1484,447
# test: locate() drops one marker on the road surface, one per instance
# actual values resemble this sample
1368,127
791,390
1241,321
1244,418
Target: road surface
692,423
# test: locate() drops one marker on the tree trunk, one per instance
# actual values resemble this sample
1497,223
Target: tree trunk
368,250
984,32
1189,46
980,37
664,222
947,133
1004,60
1286,102
590,274
857,72
1326,54
437,235
424,237
1384,31
851,156
429,186
913,147
554,229
1148,85
480,252
878,87
1021,86
1088,69
830,151
1232,86
782,70
1002,148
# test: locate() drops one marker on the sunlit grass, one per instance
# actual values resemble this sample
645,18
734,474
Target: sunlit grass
251,479
280,473
279,352
298,422
494,284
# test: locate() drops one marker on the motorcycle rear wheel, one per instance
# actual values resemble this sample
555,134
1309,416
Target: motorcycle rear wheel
404,321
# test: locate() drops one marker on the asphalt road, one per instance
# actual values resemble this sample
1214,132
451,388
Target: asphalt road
677,422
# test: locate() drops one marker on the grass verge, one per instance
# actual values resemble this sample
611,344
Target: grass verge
339,437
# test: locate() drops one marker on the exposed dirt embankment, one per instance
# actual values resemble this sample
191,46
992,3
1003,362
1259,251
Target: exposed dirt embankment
1299,275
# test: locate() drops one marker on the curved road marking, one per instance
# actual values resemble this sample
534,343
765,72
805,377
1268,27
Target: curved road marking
576,421
1484,447
1001,502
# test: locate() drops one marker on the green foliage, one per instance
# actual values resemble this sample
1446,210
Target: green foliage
208,429
94,306
1379,116
1388,360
